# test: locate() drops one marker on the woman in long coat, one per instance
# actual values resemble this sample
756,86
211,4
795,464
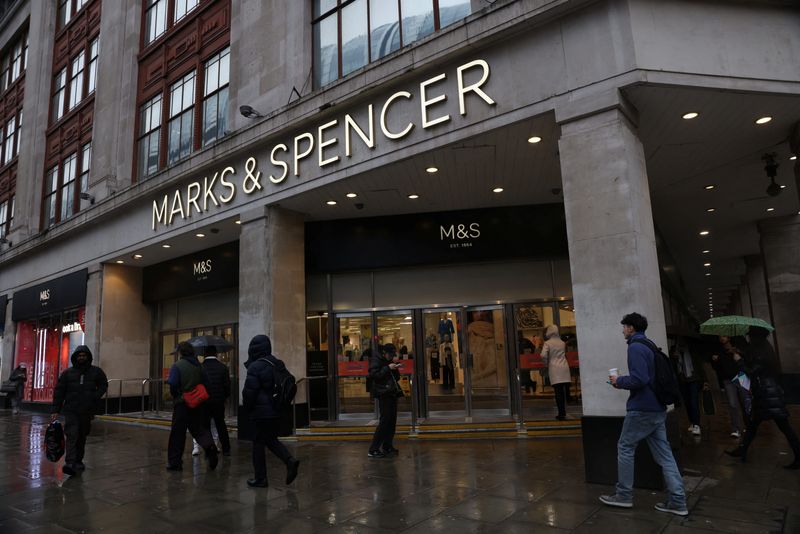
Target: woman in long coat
554,356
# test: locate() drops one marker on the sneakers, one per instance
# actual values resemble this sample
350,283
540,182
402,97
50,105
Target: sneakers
197,450
613,500
671,509
736,434
695,429
391,451
376,454
291,470
257,483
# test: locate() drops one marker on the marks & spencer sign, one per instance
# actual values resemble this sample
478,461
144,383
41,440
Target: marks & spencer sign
329,143
50,297
201,272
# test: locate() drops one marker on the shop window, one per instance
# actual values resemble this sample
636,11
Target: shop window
215,94
155,20
181,118
183,7
371,29
8,149
150,127
76,81
60,93
94,52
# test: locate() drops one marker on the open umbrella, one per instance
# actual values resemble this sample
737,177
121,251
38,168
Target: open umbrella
732,325
202,344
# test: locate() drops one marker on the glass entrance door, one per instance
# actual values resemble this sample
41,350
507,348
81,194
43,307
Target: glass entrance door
443,370
487,361
353,349
397,328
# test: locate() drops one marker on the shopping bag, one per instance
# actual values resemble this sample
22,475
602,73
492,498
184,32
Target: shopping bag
708,403
743,379
195,396
54,441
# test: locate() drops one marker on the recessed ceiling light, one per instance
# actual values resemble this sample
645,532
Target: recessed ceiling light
497,190
792,158
120,261
200,235
535,139
691,115
709,187
706,265
351,195
706,251
137,256
413,197
238,222
783,186
432,170
708,274
770,209
711,210
331,203
704,232
763,120
166,246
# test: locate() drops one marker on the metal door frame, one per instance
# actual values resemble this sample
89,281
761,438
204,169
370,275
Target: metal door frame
423,376
469,358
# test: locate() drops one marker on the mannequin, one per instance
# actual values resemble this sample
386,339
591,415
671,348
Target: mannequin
446,328
448,363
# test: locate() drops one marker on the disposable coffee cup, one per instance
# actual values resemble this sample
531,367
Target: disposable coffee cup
613,372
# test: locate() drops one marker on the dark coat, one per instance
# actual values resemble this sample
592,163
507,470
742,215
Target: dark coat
259,386
19,376
383,380
761,365
81,387
218,381
185,375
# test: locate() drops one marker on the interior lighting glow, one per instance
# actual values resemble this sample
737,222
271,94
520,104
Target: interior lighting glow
432,170
763,120
535,139
331,203
497,190
200,235
120,261
238,222
711,210
413,197
691,115
709,187
706,251
705,232
770,209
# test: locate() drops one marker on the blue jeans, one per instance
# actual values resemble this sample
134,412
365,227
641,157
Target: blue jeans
649,426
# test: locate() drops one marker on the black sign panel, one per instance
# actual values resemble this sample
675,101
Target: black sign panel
3,304
537,231
50,297
200,272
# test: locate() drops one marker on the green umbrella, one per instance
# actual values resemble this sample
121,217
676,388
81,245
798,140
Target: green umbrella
732,325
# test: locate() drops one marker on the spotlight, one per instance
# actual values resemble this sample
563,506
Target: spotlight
87,196
249,112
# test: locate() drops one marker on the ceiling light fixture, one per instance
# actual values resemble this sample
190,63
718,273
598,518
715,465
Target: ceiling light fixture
166,246
706,265
413,197
708,274
770,209
432,170
709,187
535,139
331,203
237,222
705,232
706,251
200,235
792,158
763,120
137,256
711,210
351,195
497,190
120,261
691,115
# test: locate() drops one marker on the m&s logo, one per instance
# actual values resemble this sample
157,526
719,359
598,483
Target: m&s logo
44,295
202,267
460,231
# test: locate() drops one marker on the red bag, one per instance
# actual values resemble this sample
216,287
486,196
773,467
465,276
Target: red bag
195,396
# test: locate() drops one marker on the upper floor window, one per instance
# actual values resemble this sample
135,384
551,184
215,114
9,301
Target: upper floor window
149,138
155,20
348,34
76,81
60,94
67,10
181,118
215,96
13,62
64,183
6,216
94,52
9,148
82,81
182,7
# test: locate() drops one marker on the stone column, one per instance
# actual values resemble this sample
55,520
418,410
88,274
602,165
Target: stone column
757,287
614,268
744,299
272,292
780,248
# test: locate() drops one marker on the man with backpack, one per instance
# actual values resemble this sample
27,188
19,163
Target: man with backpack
652,384
267,389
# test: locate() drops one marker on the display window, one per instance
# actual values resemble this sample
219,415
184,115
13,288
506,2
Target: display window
45,345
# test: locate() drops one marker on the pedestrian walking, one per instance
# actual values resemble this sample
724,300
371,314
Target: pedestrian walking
554,357
739,398
258,397
18,377
184,376
761,365
219,389
77,396
384,375
644,420
691,378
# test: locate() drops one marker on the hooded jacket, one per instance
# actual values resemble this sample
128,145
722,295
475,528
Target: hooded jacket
184,375
259,385
641,366
383,379
218,380
81,387
554,355
761,365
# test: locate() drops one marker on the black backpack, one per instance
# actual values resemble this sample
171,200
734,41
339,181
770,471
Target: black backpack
285,385
665,382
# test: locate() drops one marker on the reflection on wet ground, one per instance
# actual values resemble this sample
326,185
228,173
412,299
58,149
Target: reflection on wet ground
497,486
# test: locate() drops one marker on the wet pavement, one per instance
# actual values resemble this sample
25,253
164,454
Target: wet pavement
498,486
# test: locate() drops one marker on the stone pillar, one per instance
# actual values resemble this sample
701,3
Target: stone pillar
94,306
744,299
757,287
780,248
272,292
614,268
272,42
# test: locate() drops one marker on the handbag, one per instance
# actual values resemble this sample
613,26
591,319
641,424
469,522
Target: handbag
8,387
195,396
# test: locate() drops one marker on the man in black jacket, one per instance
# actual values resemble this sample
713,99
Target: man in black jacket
77,396
219,389
384,378
257,398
